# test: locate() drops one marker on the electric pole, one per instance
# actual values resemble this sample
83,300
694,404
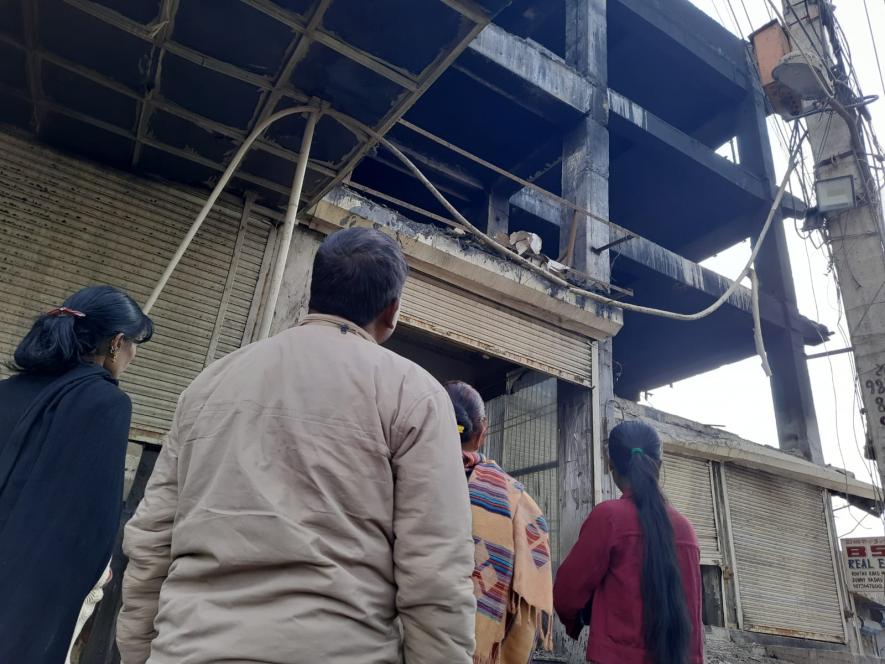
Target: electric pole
853,229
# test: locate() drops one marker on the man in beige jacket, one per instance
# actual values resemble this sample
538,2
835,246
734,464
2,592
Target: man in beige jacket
309,504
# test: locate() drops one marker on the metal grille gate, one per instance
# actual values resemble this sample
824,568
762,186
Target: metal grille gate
523,438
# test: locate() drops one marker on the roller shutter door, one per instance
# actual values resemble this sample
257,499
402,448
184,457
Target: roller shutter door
688,484
486,326
66,223
783,556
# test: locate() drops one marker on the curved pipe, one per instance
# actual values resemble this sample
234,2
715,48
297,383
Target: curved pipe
216,192
506,253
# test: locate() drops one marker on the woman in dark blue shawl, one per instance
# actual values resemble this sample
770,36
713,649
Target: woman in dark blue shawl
64,426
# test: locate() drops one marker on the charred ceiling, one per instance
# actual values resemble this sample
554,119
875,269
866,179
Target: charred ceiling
171,88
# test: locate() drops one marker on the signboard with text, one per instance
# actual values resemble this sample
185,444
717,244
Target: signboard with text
864,561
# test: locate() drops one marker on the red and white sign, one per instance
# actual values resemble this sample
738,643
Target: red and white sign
864,561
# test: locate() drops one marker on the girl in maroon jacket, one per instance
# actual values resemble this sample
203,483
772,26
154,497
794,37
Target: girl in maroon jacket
635,568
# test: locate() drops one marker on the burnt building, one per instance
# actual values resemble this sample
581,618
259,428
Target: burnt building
595,125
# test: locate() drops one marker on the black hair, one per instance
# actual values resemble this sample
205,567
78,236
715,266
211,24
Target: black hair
635,451
357,273
470,410
60,340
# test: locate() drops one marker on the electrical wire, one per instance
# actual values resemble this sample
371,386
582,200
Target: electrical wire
506,253
747,14
859,524
874,477
740,30
875,48
216,192
718,14
858,399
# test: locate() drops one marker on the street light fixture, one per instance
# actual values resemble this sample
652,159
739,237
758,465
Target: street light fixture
835,193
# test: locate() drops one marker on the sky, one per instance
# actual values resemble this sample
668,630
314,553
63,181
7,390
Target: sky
748,410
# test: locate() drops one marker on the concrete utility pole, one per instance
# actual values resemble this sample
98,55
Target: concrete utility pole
855,235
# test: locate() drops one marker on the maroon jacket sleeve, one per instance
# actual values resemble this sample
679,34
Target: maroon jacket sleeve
582,571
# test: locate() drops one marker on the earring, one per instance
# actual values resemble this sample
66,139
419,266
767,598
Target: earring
113,354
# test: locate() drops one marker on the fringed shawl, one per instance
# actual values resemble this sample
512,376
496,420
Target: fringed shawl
512,577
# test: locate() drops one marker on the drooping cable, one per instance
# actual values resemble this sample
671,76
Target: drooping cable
597,297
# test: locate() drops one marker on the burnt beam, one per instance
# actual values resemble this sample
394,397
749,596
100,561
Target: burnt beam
641,124
34,67
440,167
528,74
160,103
534,165
540,81
168,11
646,253
299,47
699,36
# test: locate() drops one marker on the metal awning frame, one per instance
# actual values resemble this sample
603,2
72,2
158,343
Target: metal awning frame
273,89
306,31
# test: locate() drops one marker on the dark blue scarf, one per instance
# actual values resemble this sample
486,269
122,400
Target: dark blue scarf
61,485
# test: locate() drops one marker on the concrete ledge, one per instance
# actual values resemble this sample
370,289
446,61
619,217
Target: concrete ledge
442,255
692,439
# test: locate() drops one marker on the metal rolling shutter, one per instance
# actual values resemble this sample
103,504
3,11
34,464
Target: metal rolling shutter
473,321
66,223
783,556
250,261
688,484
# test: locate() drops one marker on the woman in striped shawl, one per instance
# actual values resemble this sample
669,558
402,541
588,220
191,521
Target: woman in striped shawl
512,576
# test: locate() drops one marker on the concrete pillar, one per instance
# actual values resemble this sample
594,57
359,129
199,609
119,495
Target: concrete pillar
294,295
585,175
790,383
583,413
498,214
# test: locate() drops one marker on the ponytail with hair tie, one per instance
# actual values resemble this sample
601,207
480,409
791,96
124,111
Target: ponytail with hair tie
635,450
65,311
79,330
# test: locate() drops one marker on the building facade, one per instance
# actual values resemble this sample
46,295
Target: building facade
549,116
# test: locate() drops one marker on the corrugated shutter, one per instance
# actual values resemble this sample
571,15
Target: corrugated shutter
688,484
66,223
784,562
478,323
234,332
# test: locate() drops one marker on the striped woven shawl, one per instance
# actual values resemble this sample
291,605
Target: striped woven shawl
512,576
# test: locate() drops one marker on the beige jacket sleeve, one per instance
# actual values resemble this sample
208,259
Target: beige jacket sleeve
433,547
147,541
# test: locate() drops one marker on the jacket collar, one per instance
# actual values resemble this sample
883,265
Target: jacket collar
336,321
